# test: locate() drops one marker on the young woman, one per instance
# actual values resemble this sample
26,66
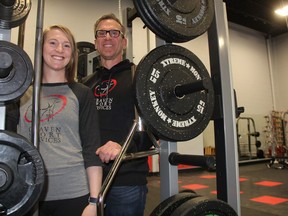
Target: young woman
68,130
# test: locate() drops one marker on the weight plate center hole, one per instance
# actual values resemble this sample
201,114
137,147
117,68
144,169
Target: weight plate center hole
6,177
6,65
178,95
3,177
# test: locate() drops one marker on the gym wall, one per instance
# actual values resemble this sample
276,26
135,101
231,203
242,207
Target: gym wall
280,72
260,86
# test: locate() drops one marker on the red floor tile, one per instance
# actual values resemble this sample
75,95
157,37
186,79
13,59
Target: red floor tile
208,176
268,183
269,200
214,177
181,166
195,186
243,179
214,192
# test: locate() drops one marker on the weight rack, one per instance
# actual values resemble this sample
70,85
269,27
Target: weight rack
277,139
228,188
224,116
19,151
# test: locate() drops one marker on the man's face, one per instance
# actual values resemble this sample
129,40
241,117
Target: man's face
109,47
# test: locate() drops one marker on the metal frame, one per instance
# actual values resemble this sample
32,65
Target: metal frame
2,117
38,72
227,171
250,134
5,34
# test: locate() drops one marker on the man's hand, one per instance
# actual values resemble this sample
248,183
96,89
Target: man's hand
109,151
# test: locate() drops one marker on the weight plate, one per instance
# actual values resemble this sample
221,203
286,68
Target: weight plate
204,206
88,59
171,117
170,204
15,77
145,16
13,16
85,47
176,20
22,174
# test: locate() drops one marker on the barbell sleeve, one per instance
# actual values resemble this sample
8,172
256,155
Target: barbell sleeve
194,160
200,85
6,65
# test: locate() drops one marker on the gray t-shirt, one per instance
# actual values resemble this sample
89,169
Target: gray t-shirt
69,136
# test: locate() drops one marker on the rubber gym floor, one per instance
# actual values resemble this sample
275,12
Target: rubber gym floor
263,190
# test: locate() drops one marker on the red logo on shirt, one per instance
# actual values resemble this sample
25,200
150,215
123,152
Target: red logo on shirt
55,104
104,88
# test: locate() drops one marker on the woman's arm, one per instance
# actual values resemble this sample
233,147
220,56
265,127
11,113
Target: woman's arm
94,174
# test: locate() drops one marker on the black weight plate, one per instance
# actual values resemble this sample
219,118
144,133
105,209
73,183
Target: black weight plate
201,206
20,77
85,47
176,20
170,204
15,15
144,13
170,117
22,169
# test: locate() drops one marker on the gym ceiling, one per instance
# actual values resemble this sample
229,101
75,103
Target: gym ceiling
258,15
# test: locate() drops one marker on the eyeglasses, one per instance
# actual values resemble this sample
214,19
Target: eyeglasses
113,33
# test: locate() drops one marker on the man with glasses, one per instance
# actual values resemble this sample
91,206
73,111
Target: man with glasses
112,88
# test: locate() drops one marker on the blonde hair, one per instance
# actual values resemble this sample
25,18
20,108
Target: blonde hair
71,67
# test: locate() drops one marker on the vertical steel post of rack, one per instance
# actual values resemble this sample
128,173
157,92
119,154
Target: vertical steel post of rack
38,71
227,171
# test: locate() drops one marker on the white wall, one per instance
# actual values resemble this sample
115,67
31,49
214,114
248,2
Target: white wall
280,71
250,68
79,16
249,57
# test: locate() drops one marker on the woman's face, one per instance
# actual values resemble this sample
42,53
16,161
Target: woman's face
57,50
